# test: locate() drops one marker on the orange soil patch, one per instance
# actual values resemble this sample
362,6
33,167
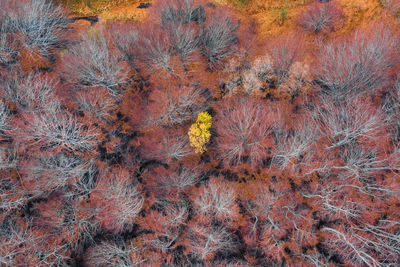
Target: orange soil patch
267,13
111,10
127,11
272,17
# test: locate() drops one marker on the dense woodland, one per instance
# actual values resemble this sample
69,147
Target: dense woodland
186,140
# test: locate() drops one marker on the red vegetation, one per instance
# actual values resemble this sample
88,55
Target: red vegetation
358,64
117,201
321,17
96,168
244,130
283,53
176,105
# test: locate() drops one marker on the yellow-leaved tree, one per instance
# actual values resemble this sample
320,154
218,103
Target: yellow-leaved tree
199,132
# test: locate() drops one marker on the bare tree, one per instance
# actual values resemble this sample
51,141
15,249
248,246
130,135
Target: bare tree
354,251
176,105
233,263
364,164
251,82
334,198
356,244
358,166
383,237
283,53
348,121
314,257
115,254
291,145
21,243
320,17
357,65
9,45
118,201
16,240
58,128
180,178
13,195
244,127
41,24
80,225
207,240
155,50
184,41
173,147
245,77
98,103
92,63
180,10
126,40
33,92
171,221
4,118
217,199
56,171
262,209
156,46
8,157
219,39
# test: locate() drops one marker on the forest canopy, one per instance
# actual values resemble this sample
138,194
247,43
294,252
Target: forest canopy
187,139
